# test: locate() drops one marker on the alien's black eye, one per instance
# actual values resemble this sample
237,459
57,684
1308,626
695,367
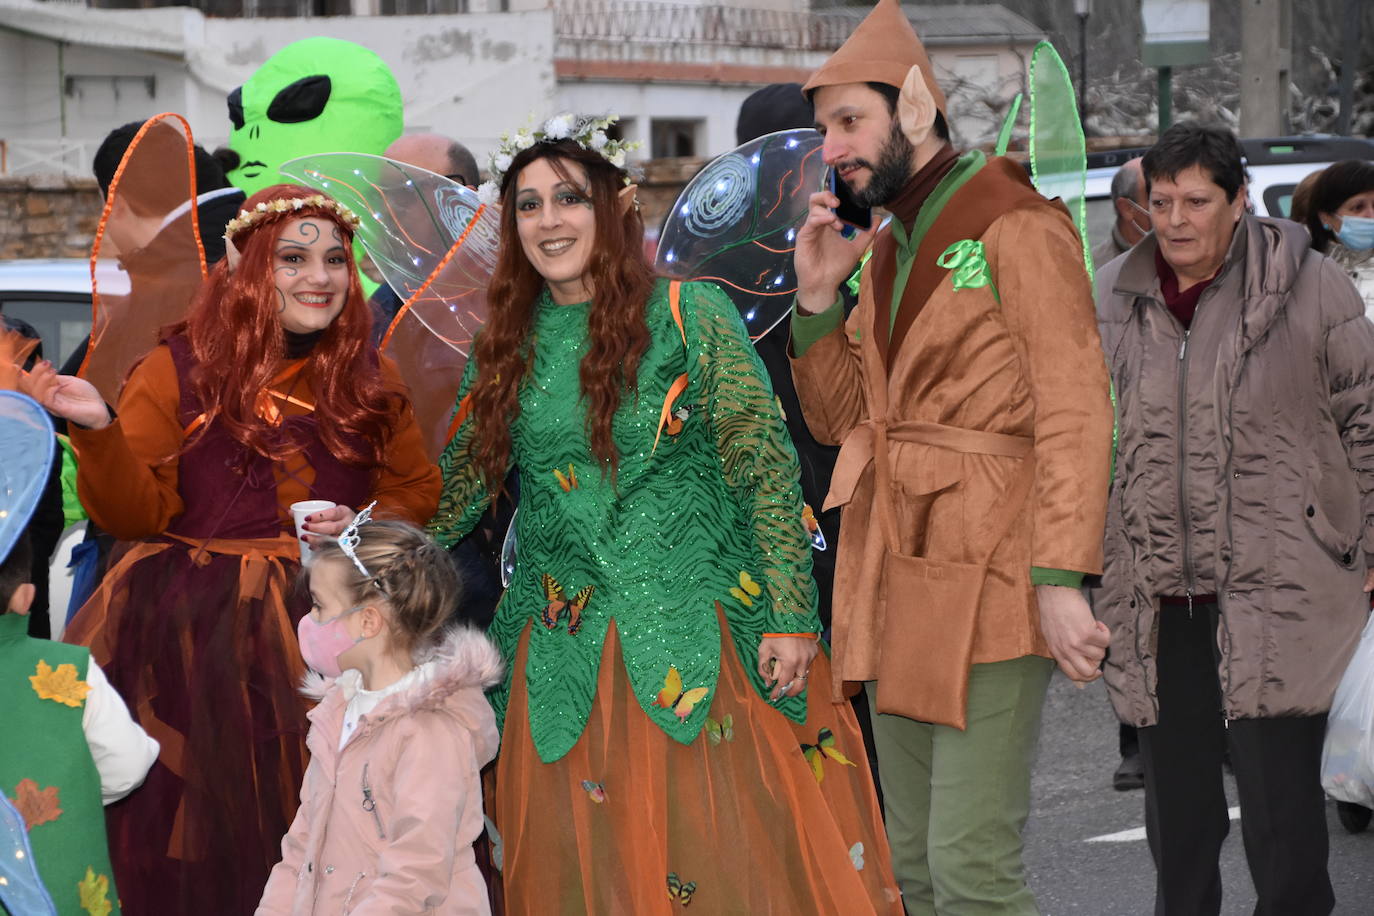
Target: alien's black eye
303,100
236,108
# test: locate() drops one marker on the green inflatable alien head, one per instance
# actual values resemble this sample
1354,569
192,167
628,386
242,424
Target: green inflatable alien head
317,95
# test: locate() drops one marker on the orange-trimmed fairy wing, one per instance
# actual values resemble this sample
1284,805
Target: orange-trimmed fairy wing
151,226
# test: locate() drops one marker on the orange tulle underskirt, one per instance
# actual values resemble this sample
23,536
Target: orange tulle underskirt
743,824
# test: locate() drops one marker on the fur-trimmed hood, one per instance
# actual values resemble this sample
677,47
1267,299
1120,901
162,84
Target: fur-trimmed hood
455,673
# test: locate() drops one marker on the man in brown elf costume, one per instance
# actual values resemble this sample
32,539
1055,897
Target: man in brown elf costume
969,392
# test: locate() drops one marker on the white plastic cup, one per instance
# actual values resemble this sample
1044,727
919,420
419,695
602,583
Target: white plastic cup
300,511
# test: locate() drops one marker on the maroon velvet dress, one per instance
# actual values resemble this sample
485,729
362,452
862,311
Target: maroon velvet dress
195,626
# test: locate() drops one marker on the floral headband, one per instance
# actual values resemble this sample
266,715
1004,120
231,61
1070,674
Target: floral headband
586,131
269,209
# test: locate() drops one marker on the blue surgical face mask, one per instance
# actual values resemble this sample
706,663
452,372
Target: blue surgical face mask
1357,233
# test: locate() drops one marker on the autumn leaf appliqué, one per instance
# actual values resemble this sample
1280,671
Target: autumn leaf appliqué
35,805
62,686
94,892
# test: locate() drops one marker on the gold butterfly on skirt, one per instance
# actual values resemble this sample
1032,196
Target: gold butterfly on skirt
824,747
674,697
680,891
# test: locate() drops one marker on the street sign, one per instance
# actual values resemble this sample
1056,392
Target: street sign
1176,32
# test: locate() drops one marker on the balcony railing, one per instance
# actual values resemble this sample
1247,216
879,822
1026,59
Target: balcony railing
650,22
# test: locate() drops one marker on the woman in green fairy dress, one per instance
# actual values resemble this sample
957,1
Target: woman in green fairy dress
659,745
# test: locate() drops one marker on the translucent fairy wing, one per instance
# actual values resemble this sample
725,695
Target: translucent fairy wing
151,226
1008,124
1058,152
435,243
26,448
736,222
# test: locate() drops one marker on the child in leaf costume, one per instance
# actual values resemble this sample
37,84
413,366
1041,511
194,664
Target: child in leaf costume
70,743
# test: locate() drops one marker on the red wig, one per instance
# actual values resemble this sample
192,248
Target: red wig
620,280
239,344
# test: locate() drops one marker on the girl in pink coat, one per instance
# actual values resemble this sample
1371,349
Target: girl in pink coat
391,802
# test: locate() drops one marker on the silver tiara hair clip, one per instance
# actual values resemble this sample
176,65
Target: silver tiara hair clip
349,540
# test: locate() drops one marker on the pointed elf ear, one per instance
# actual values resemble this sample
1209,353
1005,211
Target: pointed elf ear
916,107
232,254
628,198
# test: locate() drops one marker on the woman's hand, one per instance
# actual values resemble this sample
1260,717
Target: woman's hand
328,523
785,662
74,399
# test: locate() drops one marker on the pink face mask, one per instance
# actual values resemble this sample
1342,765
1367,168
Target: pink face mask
323,643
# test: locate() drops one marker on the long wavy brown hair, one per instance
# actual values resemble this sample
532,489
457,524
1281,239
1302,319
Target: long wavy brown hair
238,344
619,279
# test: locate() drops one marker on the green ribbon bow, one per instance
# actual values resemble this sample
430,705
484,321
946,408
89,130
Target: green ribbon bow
968,263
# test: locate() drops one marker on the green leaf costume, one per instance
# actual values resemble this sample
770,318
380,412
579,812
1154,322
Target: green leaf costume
716,498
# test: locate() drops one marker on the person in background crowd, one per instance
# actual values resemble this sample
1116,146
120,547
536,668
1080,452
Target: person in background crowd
1132,222
268,394
976,423
1131,225
217,201
1241,522
1300,204
1341,220
442,156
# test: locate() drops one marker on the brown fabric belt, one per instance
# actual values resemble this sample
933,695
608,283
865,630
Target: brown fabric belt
857,452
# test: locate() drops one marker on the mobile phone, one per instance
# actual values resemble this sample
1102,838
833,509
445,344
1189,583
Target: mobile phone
850,211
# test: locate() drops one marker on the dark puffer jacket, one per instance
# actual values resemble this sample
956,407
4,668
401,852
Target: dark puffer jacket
1272,465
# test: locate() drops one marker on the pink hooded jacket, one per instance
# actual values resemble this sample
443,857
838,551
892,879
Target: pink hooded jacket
386,824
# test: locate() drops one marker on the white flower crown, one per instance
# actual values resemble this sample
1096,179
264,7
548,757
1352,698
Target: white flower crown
269,208
586,131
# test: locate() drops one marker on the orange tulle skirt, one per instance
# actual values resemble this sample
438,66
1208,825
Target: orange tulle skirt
742,824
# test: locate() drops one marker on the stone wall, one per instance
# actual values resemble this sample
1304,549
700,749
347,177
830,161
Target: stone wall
54,217
46,216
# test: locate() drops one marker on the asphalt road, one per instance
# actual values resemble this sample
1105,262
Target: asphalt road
1073,802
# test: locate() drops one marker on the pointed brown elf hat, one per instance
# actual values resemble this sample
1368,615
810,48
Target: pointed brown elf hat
882,49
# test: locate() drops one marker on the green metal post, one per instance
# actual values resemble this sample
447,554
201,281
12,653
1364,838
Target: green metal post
1166,98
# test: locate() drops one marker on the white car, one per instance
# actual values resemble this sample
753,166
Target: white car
54,295
1275,166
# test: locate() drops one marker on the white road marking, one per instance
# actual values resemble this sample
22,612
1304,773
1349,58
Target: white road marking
1138,833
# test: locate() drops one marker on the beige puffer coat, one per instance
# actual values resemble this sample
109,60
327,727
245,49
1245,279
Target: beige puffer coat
1272,463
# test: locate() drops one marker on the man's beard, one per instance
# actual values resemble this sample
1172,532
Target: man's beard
890,175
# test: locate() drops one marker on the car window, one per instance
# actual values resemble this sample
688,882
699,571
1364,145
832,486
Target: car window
1278,200
62,323
1101,216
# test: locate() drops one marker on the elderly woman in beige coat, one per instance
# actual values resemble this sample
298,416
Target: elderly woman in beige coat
1241,521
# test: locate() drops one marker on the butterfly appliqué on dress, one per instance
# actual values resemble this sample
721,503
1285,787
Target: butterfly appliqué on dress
724,730
747,590
674,697
558,603
824,747
680,891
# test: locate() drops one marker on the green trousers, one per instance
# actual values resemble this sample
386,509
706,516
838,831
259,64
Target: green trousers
956,801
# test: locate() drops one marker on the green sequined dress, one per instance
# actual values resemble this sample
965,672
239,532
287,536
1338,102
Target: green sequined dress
712,514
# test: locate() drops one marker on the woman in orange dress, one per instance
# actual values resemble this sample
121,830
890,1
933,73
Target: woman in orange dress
268,394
